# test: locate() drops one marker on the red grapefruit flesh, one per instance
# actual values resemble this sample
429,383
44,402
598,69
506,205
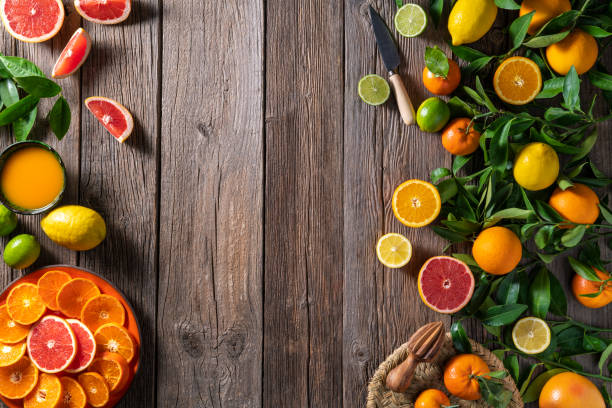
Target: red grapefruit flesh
74,55
104,11
445,284
113,116
52,344
32,20
86,350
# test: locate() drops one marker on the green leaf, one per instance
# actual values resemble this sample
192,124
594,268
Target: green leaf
546,258
460,339
474,95
39,87
545,40
399,3
513,214
460,108
547,212
466,53
551,88
542,237
559,23
562,115
508,291
499,147
573,236
8,92
604,357
571,89
532,393
20,67
556,144
512,365
447,189
23,126
601,80
583,270
564,183
502,315
586,146
468,259
439,173
436,61
459,162
518,29
558,299
605,213
595,31
435,10
480,295
507,4
485,97
539,294
448,234
17,110
593,343
476,65
526,377
59,118
494,392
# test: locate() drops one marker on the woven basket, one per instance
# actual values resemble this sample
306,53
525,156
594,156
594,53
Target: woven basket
429,375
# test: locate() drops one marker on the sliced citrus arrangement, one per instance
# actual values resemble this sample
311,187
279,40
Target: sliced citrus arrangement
32,20
114,369
46,394
104,12
11,353
86,347
517,81
531,335
445,284
11,331
74,55
102,309
115,339
73,295
19,379
394,250
95,388
112,115
73,395
48,286
416,203
24,305
52,345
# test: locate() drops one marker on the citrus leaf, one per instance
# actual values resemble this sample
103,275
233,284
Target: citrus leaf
507,4
545,40
593,343
601,80
460,108
59,118
23,126
448,234
8,92
518,29
502,315
526,377
551,88
559,23
532,393
17,110
459,162
439,173
542,237
571,89
447,189
546,258
573,236
508,291
558,299
466,53
460,339
499,147
476,65
547,212
484,96
605,213
583,270
512,365
436,61
435,10
604,357
595,31
20,67
539,294
467,259
39,87
564,183
586,146
474,95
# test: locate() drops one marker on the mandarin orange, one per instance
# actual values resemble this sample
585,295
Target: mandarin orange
581,286
577,204
460,376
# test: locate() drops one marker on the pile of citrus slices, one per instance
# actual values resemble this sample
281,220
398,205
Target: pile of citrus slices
63,344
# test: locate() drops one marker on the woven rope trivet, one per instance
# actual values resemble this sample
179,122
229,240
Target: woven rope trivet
429,375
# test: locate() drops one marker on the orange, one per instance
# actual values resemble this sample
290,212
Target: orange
432,398
577,204
114,368
115,339
545,10
101,310
517,81
459,376
440,85
416,203
460,138
73,395
48,286
578,49
19,379
581,286
11,331
570,390
47,393
95,388
73,295
24,305
11,353
497,250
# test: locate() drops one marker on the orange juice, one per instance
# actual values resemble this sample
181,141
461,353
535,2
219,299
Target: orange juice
32,178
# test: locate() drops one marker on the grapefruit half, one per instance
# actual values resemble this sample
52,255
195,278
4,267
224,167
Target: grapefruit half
52,344
445,284
74,54
112,115
32,20
86,349
104,11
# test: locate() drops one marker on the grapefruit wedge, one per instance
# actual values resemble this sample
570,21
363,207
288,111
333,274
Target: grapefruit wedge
74,55
104,11
86,347
445,284
113,116
52,344
32,21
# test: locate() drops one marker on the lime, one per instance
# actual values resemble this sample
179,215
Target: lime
21,251
536,167
374,89
410,20
8,221
74,227
433,114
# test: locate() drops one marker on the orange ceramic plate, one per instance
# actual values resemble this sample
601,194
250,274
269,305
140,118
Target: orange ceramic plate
105,287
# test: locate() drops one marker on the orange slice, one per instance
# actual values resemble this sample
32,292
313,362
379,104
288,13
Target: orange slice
102,309
24,305
114,368
17,380
95,388
11,353
416,203
48,286
73,395
517,81
10,331
73,295
47,393
115,339
32,20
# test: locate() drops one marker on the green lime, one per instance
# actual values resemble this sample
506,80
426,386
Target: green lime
433,114
21,251
374,89
410,20
8,221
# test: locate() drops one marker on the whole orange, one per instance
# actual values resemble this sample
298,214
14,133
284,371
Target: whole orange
581,286
577,204
459,138
497,250
431,398
439,85
545,10
570,390
460,376
578,49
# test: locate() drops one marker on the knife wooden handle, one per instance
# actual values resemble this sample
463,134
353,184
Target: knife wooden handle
403,100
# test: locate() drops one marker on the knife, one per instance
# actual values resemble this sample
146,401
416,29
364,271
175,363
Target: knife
391,59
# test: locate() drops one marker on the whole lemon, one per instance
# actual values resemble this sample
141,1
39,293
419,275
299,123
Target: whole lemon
579,49
470,20
75,227
536,167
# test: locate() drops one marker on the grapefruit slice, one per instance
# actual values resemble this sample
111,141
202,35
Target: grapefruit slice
32,20
11,353
10,331
19,379
86,347
47,393
73,395
104,11
445,284
52,344
48,286
113,116
74,54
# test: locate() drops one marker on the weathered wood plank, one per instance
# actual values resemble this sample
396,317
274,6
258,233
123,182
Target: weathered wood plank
210,293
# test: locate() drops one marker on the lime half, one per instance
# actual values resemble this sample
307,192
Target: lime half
410,20
374,89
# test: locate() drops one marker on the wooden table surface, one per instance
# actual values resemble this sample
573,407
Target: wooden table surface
244,210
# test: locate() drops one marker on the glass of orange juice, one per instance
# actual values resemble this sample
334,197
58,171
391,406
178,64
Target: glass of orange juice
32,177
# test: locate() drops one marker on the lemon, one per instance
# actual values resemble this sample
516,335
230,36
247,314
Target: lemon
536,167
531,335
470,20
74,227
394,250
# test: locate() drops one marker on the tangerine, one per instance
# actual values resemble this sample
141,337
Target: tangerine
581,286
545,10
570,390
432,398
114,368
460,376
577,204
19,379
73,395
497,250
438,85
47,393
579,49
460,138
10,331
95,388
115,339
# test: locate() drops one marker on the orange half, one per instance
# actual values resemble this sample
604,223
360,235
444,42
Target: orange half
416,203
517,81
